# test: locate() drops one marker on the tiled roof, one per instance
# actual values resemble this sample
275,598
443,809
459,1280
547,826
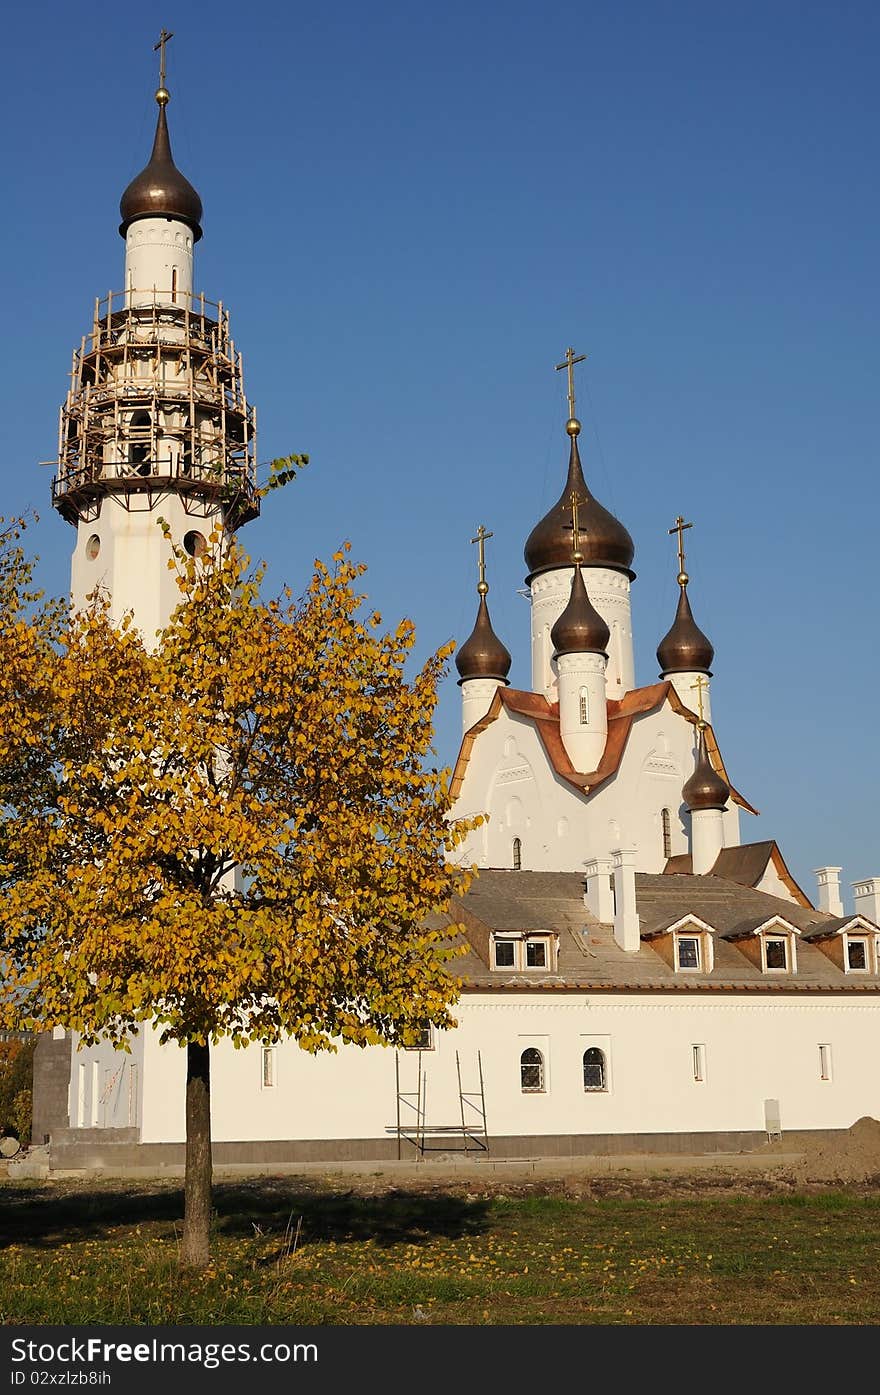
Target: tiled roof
590,960
746,865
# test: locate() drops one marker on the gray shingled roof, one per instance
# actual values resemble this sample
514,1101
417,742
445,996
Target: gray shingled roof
589,958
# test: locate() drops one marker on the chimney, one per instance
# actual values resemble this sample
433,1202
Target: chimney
828,880
626,920
598,896
866,898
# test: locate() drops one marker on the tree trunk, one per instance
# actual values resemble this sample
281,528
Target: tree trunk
196,1249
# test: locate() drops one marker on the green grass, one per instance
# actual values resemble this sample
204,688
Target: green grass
290,1252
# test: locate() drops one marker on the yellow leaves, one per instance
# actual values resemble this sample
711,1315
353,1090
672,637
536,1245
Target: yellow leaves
240,834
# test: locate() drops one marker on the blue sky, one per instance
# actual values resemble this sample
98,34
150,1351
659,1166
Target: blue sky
411,212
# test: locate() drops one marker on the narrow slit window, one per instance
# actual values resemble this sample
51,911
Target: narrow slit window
825,1062
584,704
698,1056
517,854
666,825
268,1067
174,285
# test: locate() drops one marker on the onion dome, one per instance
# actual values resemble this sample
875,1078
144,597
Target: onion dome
483,655
604,540
580,628
160,190
684,649
705,789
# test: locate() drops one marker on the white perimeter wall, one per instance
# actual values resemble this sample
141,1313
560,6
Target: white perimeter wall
756,1048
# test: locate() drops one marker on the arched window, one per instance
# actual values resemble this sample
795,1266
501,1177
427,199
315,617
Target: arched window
666,825
139,449
531,1069
594,1069
584,707
517,854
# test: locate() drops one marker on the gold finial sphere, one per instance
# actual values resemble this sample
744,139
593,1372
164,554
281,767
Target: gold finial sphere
577,557
482,588
163,96
573,426
683,578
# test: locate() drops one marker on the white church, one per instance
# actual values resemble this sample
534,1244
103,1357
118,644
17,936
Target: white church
637,977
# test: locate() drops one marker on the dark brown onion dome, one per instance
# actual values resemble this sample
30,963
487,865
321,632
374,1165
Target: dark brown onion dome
604,541
483,655
160,190
580,628
706,789
685,649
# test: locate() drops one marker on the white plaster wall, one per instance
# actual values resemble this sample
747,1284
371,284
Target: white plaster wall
510,778
772,883
132,560
119,1077
685,685
755,1049
584,741
154,248
609,592
476,699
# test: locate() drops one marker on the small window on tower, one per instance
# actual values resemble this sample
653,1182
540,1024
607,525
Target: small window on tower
93,547
517,855
174,285
195,544
666,825
584,707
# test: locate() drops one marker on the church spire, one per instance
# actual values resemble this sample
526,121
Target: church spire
482,661
160,190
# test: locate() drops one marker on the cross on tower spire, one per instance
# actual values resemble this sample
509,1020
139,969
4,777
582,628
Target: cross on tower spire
700,684
576,555
480,540
678,527
569,362
162,94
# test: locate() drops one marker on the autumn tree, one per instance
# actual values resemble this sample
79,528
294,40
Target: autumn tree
235,831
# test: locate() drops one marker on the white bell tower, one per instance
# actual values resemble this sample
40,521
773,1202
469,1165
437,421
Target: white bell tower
156,424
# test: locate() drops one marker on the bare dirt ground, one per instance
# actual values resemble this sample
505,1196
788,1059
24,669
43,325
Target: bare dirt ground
852,1162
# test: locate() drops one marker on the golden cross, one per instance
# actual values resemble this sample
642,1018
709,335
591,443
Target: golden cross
569,362
163,39
576,554
701,683
480,540
679,528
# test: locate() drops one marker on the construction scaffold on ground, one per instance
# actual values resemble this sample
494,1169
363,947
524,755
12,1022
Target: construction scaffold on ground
469,1135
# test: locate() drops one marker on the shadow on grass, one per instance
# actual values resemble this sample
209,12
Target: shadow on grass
45,1217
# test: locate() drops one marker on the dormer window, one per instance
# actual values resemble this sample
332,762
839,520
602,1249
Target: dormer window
684,943
776,952
687,952
505,954
524,952
857,954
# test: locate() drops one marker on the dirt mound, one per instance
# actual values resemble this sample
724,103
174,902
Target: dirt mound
853,1157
